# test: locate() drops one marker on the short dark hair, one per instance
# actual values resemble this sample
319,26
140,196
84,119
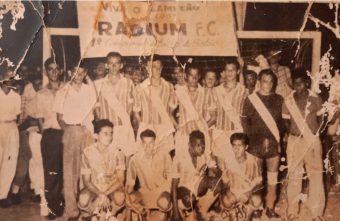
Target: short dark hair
49,61
82,64
249,72
268,72
239,136
156,57
193,67
196,134
302,74
99,124
147,133
114,54
234,61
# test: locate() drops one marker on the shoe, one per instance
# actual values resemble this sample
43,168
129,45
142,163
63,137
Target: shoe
36,198
271,213
15,198
51,216
4,203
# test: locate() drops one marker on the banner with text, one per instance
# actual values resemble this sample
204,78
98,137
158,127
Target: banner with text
166,28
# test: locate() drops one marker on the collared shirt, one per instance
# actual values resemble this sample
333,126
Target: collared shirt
314,107
44,108
149,113
125,92
152,172
75,106
27,99
203,103
236,97
102,165
183,168
10,105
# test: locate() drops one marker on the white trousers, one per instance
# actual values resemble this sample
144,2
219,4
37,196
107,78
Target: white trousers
36,170
9,149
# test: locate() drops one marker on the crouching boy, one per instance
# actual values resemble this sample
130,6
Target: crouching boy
243,178
196,182
152,166
102,171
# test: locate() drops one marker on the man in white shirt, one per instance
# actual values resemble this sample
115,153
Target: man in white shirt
74,107
9,136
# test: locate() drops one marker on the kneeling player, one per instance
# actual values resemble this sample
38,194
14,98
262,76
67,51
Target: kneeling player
102,171
152,166
244,178
195,179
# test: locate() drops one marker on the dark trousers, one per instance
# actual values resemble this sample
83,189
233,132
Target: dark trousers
24,157
52,156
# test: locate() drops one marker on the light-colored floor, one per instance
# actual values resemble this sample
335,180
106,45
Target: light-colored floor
28,211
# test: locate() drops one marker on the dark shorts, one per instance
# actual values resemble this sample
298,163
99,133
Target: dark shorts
264,153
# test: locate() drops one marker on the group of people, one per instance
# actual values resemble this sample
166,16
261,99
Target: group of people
209,144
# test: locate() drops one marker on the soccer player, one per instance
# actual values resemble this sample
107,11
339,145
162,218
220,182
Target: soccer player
262,122
102,170
157,102
193,106
303,113
229,98
116,99
244,178
152,166
194,176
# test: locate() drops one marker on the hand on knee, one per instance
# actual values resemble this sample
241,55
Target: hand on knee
164,204
119,198
228,199
256,201
84,200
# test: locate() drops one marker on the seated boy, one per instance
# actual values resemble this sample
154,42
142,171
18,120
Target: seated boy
244,178
102,170
193,177
152,166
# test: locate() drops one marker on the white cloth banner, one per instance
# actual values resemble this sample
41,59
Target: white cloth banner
166,28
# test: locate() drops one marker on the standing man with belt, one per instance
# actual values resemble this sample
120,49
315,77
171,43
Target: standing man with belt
302,112
74,107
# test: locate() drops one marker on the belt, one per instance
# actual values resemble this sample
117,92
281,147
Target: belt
6,121
73,125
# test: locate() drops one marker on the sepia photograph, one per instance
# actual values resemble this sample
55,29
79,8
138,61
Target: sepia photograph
169,110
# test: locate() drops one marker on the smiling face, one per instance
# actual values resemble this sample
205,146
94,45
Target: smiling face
155,67
105,136
79,75
193,77
231,72
53,72
210,79
197,147
239,148
114,65
148,144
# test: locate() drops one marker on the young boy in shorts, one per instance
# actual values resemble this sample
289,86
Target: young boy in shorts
102,169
